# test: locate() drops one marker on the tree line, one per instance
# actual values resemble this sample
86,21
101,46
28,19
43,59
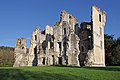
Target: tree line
112,50
6,56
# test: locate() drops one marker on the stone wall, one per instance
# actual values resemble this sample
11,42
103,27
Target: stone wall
65,43
98,19
20,52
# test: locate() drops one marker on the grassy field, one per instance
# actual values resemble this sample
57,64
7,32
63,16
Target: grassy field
59,73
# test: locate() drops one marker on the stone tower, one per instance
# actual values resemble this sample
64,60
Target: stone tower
20,52
92,39
98,23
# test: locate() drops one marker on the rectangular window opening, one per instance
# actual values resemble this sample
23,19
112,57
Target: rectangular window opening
35,37
100,17
64,31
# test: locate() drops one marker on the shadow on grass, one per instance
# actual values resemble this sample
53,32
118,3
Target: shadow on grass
11,74
19,74
67,66
108,68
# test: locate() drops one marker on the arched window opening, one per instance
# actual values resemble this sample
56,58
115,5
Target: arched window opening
35,37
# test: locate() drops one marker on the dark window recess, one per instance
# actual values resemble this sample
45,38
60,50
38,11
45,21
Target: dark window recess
35,37
35,60
100,17
70,17
76,28
43,32
82,48
60,60
88,47
64,31
53,59
22,47
43,61
59,45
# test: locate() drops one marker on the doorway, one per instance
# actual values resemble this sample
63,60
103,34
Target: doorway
43,62
60,60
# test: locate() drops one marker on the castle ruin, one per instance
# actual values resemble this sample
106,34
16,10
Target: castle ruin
65,43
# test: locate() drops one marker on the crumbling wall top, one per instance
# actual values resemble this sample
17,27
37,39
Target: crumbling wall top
99,10
37,28
70,16
20,41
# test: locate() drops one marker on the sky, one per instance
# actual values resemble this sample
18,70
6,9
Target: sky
18,18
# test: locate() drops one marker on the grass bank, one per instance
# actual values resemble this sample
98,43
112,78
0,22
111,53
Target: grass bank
59,73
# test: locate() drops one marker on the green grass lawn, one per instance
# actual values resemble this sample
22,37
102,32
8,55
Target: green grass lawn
59,73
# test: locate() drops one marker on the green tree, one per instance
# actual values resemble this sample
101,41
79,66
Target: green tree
112,50
116,53
109,42
6,56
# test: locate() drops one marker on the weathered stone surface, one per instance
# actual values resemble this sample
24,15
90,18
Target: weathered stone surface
20,52
92,39
65,43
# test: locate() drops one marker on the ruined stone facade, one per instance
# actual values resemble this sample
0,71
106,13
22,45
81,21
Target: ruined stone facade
65,43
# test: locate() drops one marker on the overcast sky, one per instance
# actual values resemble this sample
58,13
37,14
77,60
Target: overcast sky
18,18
